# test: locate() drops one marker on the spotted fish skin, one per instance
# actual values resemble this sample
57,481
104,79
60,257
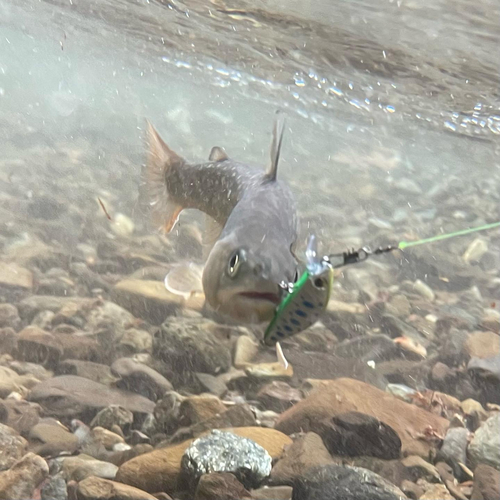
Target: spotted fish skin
302,307
252,223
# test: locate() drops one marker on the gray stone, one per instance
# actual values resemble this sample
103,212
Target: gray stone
12,447
454,448
485,446
140,378
189,345
338,482
114,415
358,434
55,489
226,452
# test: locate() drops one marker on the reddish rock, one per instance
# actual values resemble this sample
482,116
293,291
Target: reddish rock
344,395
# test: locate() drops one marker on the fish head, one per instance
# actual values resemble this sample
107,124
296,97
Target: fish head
244,281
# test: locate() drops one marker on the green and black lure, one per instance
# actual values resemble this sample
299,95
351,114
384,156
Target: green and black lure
308,298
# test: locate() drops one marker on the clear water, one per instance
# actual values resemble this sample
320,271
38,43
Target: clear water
388,102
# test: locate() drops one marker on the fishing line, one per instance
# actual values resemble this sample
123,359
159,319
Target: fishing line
405,244
305,300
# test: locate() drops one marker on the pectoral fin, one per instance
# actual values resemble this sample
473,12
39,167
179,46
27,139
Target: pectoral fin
185,280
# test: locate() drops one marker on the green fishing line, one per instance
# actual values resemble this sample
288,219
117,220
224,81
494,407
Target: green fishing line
405,244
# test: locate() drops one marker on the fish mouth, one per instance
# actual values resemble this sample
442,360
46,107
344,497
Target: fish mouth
269,296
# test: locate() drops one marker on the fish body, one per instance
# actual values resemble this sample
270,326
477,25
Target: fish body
251,225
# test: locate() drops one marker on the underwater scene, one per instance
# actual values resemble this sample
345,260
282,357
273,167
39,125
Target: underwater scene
249,250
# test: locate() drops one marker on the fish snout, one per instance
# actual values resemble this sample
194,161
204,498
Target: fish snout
261,270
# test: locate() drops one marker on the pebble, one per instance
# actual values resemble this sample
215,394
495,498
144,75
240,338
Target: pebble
225,452
486,483
186,346
54,489
307,451
485,445
245,350
220,486
81,466
356,434
475,251
96,488
341,482
21,480
424,290
12,447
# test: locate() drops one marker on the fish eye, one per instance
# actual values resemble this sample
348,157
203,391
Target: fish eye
319,283
234,264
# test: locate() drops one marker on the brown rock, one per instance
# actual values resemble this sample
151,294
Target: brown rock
8,340
151,300
418,468
96,488
307,451
155,471
112,416
159,469
14,276
88,369
411,490
140,378
49,438
75,395
10,381
235,416
483,344
19,414
278,396
82,466
21,480
344,395
437,491
78,345
245,350
9,316
196,409
486,483
220,486
272,493
38,346
107,438
12,447
392,470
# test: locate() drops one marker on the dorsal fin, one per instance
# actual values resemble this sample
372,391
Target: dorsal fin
218,154
279,126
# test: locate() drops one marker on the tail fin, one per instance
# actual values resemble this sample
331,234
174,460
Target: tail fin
160,159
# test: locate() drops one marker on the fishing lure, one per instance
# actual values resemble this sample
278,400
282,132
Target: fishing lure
308,298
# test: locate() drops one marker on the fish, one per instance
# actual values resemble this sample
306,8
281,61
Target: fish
251,225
